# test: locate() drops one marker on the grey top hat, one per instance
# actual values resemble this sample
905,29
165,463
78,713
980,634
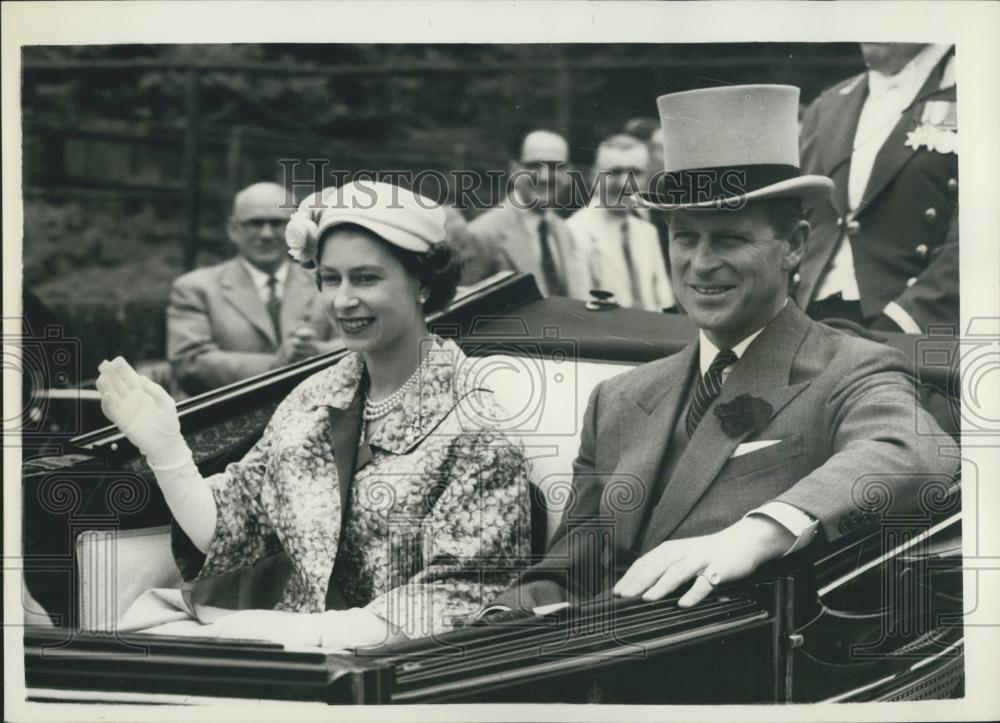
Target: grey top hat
726,146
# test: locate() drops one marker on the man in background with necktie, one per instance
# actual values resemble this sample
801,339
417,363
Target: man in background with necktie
525,233
620,250
769,432
252,313
884,249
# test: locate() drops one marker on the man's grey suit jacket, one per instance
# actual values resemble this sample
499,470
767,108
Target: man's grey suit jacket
846,419
219,331
509,246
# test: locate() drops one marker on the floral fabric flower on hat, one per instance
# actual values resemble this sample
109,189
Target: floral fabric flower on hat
302,232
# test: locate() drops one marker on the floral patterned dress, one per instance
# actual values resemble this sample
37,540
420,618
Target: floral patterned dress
438,517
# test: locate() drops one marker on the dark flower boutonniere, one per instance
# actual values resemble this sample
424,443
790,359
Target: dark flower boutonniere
743,414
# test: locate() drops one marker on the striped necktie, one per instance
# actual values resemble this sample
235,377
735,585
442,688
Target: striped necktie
274,304
633,279
553,280
708,389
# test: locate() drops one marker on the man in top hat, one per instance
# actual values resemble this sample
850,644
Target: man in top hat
252,313
621,250
525,233
762,436
884,247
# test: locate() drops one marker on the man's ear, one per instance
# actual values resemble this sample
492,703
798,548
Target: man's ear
233,229
798,242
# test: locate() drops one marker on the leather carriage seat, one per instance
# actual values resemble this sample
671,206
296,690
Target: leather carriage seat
544,400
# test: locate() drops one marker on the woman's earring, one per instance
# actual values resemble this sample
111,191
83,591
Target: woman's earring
421,298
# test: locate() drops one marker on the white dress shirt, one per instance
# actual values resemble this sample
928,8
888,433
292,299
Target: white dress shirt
888,96
260,278
802,526
599,240
532,219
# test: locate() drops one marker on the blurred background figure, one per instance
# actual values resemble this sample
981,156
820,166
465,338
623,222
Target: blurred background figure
476,257
620,252
884,248
525,233
118,141
648,131
641,128
252,313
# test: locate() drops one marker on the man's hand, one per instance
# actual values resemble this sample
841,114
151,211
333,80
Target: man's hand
301,344
731,554
336,629
305,343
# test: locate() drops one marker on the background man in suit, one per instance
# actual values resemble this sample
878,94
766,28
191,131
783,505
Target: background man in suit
525,233
648,131
252,313
884,247
620,251
761,435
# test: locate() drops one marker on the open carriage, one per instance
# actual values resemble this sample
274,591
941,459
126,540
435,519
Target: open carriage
877,616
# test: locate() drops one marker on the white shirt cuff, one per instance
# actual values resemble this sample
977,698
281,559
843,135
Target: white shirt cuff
903,320
802,526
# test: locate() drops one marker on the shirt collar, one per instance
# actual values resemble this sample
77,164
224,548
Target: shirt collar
707,350
533,212
912,75
259,277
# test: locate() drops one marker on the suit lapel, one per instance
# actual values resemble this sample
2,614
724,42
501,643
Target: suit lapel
239,290
343,396
894,153
645,423
837,152
762,372
345,431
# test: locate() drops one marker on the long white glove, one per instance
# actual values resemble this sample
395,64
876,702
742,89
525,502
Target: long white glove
147,416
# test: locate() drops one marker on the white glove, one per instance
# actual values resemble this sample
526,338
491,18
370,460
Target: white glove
147,415
142,410
333,629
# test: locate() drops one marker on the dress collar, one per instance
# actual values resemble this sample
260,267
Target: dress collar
443,382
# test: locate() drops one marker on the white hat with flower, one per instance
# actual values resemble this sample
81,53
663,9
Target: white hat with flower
395,214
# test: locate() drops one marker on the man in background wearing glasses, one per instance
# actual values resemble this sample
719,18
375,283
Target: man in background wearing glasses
249,314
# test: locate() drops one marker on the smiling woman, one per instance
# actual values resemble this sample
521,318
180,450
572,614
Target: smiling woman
386,497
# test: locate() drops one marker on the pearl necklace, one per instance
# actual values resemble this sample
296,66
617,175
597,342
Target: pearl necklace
376,410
